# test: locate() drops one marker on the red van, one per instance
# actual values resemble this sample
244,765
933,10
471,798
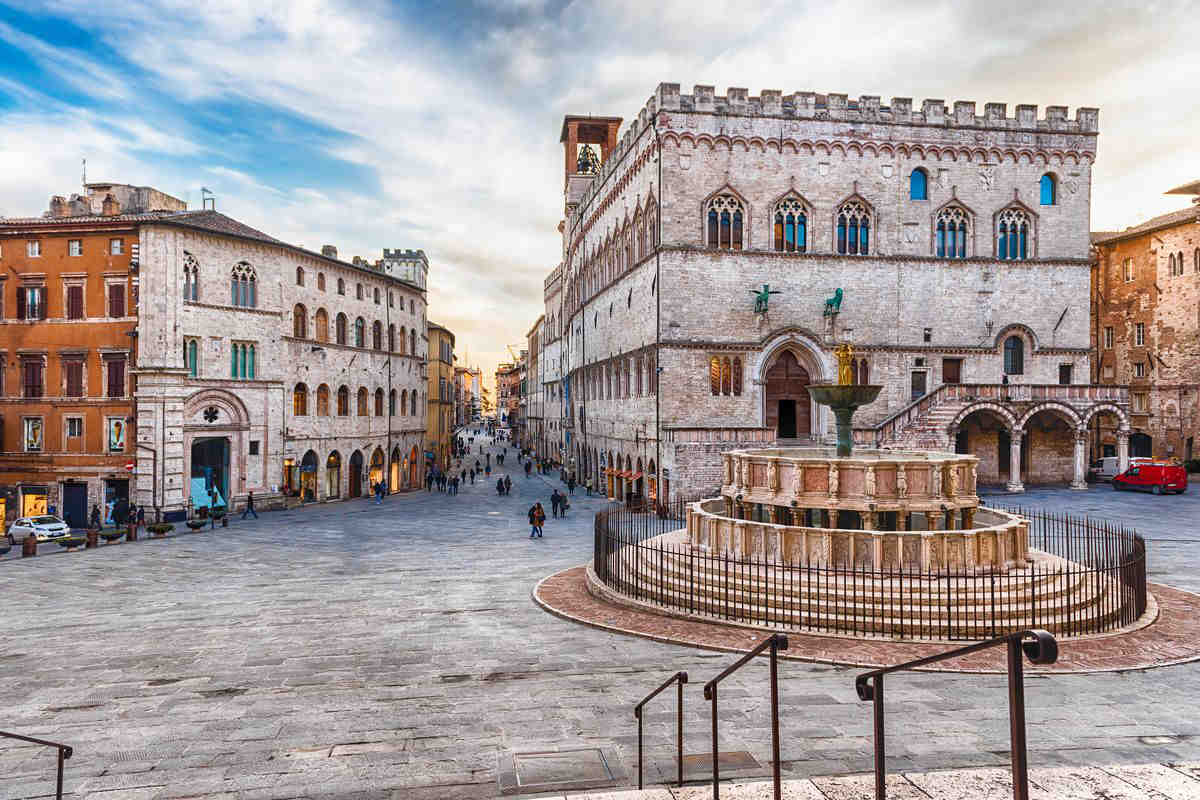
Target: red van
1159,477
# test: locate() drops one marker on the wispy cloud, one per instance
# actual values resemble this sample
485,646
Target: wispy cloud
434,125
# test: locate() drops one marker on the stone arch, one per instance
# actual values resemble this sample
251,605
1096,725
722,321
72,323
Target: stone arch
994,408
1065,412
1110,408
810,355
231,410
1020,329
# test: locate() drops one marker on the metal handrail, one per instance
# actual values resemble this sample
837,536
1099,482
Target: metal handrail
775,642
1039,646
680,678
65,751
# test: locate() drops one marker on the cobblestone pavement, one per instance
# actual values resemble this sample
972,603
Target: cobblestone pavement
361,651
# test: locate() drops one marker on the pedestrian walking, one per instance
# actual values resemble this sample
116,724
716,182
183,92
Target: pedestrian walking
589,487
507,485
141,517
488,470
528,468
500,487
571,485
540,517
249,509
472,477
95,518
555,499
533,523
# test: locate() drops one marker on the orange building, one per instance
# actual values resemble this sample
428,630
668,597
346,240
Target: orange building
68,319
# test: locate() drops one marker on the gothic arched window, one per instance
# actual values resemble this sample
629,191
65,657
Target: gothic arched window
243,286
392,403
918,185
1014,356
413,403
300,321
320,281
1012,235
853,229
737,377
299,276
379,402
404,402
340,329
791,226
726,376
362,401
360,332
300,400
391,338
343,401
412,342
1196,260
377,335
1049,189
725,221
341,286
322,401
951,235
321,323
191,278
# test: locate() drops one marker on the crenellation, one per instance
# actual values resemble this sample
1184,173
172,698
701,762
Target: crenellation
1027,116
805,104
837,104
737,100
667,95
934,111
702,99
964,112
868,106
995,114
901,109
772,102
1087,119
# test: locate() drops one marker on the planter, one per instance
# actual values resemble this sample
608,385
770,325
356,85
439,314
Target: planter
71,542
160,529
196,524
131,534
112,535
93,539
28,546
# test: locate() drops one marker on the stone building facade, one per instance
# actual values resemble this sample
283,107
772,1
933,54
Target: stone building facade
555,444
268,368
1146,293
508,395
440,416
535,423
68,316
951,249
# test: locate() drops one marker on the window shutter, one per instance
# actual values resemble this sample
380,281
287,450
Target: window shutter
74,378
116,378
74,302
116,300
21,291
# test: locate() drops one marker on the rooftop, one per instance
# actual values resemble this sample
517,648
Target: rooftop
1184,215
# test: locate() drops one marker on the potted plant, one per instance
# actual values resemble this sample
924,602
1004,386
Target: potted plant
195,524
218,512
112,535
71,542
160,529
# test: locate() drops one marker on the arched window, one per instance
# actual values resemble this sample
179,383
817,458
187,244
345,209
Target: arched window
725,220
918,185
404,403
299,276
403,339
737,377
362,401
321,323
1014,356
377,335
360,333
412,398
300,321
391,338
300,400
379,402
341,286
791,226
726,376
358,290
392,403
853,229
1196,260
1171,264
1012,235
951,235
340,329
243,286
250,362
192,350
854,372
864,373
343,403
191,278
322,401
391,299
1049,189
412,342
376,295
320,281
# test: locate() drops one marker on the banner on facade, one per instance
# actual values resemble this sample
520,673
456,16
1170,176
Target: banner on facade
116,434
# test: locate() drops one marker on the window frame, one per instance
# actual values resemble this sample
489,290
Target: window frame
116,246
1139,334
33,248
74,248
912,185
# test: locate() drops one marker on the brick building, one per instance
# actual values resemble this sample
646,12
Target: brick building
68,317
535,422
508,395
1146,296
958,244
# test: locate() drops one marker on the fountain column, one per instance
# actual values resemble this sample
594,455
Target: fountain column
1014,461
1080,481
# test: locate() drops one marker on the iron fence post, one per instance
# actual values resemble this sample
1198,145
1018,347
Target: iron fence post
775,710
1016,719
716,771
880,754
679,734
638,713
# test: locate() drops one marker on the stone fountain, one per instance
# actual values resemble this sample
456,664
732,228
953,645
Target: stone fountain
844,398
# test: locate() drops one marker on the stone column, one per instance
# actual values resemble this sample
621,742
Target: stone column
833,515
902,520
969,518
1014,461
1122,449
1080,480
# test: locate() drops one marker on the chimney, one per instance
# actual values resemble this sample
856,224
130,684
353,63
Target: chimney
58,206
110,207
329,251
358,261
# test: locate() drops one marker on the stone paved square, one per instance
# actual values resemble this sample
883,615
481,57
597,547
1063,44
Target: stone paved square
354,650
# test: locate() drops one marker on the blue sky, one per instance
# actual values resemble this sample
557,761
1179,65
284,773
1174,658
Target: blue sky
373,124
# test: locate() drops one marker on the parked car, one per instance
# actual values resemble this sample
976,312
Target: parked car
45,527
1159,477
1107,468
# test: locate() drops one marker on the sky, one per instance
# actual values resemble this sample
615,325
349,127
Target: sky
372,124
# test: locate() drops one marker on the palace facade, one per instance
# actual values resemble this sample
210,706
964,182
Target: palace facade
951,249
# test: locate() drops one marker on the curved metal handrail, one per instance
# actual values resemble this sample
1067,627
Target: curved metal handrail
679,678
1039,646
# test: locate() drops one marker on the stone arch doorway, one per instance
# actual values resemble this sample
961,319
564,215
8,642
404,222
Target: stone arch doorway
985,431
376,474
333,475
788,406
394,471
308,477
413,465
356,473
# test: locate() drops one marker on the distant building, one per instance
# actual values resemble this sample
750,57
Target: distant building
440,417
532,389
1146,298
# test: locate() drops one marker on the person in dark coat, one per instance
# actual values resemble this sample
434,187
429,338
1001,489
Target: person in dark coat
507,485
555,499
500,486
95,518
533,523
249,509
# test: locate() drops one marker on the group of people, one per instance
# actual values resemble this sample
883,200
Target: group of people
503,485
444,483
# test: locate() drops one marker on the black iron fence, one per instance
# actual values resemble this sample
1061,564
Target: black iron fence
1096,584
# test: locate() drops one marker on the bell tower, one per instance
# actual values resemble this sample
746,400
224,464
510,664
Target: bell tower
587,143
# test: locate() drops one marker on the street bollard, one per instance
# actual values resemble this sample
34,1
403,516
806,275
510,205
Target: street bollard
93,539
29,546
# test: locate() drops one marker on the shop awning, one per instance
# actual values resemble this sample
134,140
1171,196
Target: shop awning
635,476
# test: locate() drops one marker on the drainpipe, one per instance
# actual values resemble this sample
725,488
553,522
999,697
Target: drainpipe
658,465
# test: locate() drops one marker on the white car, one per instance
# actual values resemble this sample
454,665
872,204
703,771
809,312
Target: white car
45,528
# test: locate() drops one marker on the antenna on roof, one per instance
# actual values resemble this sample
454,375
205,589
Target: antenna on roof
208,200
84,174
